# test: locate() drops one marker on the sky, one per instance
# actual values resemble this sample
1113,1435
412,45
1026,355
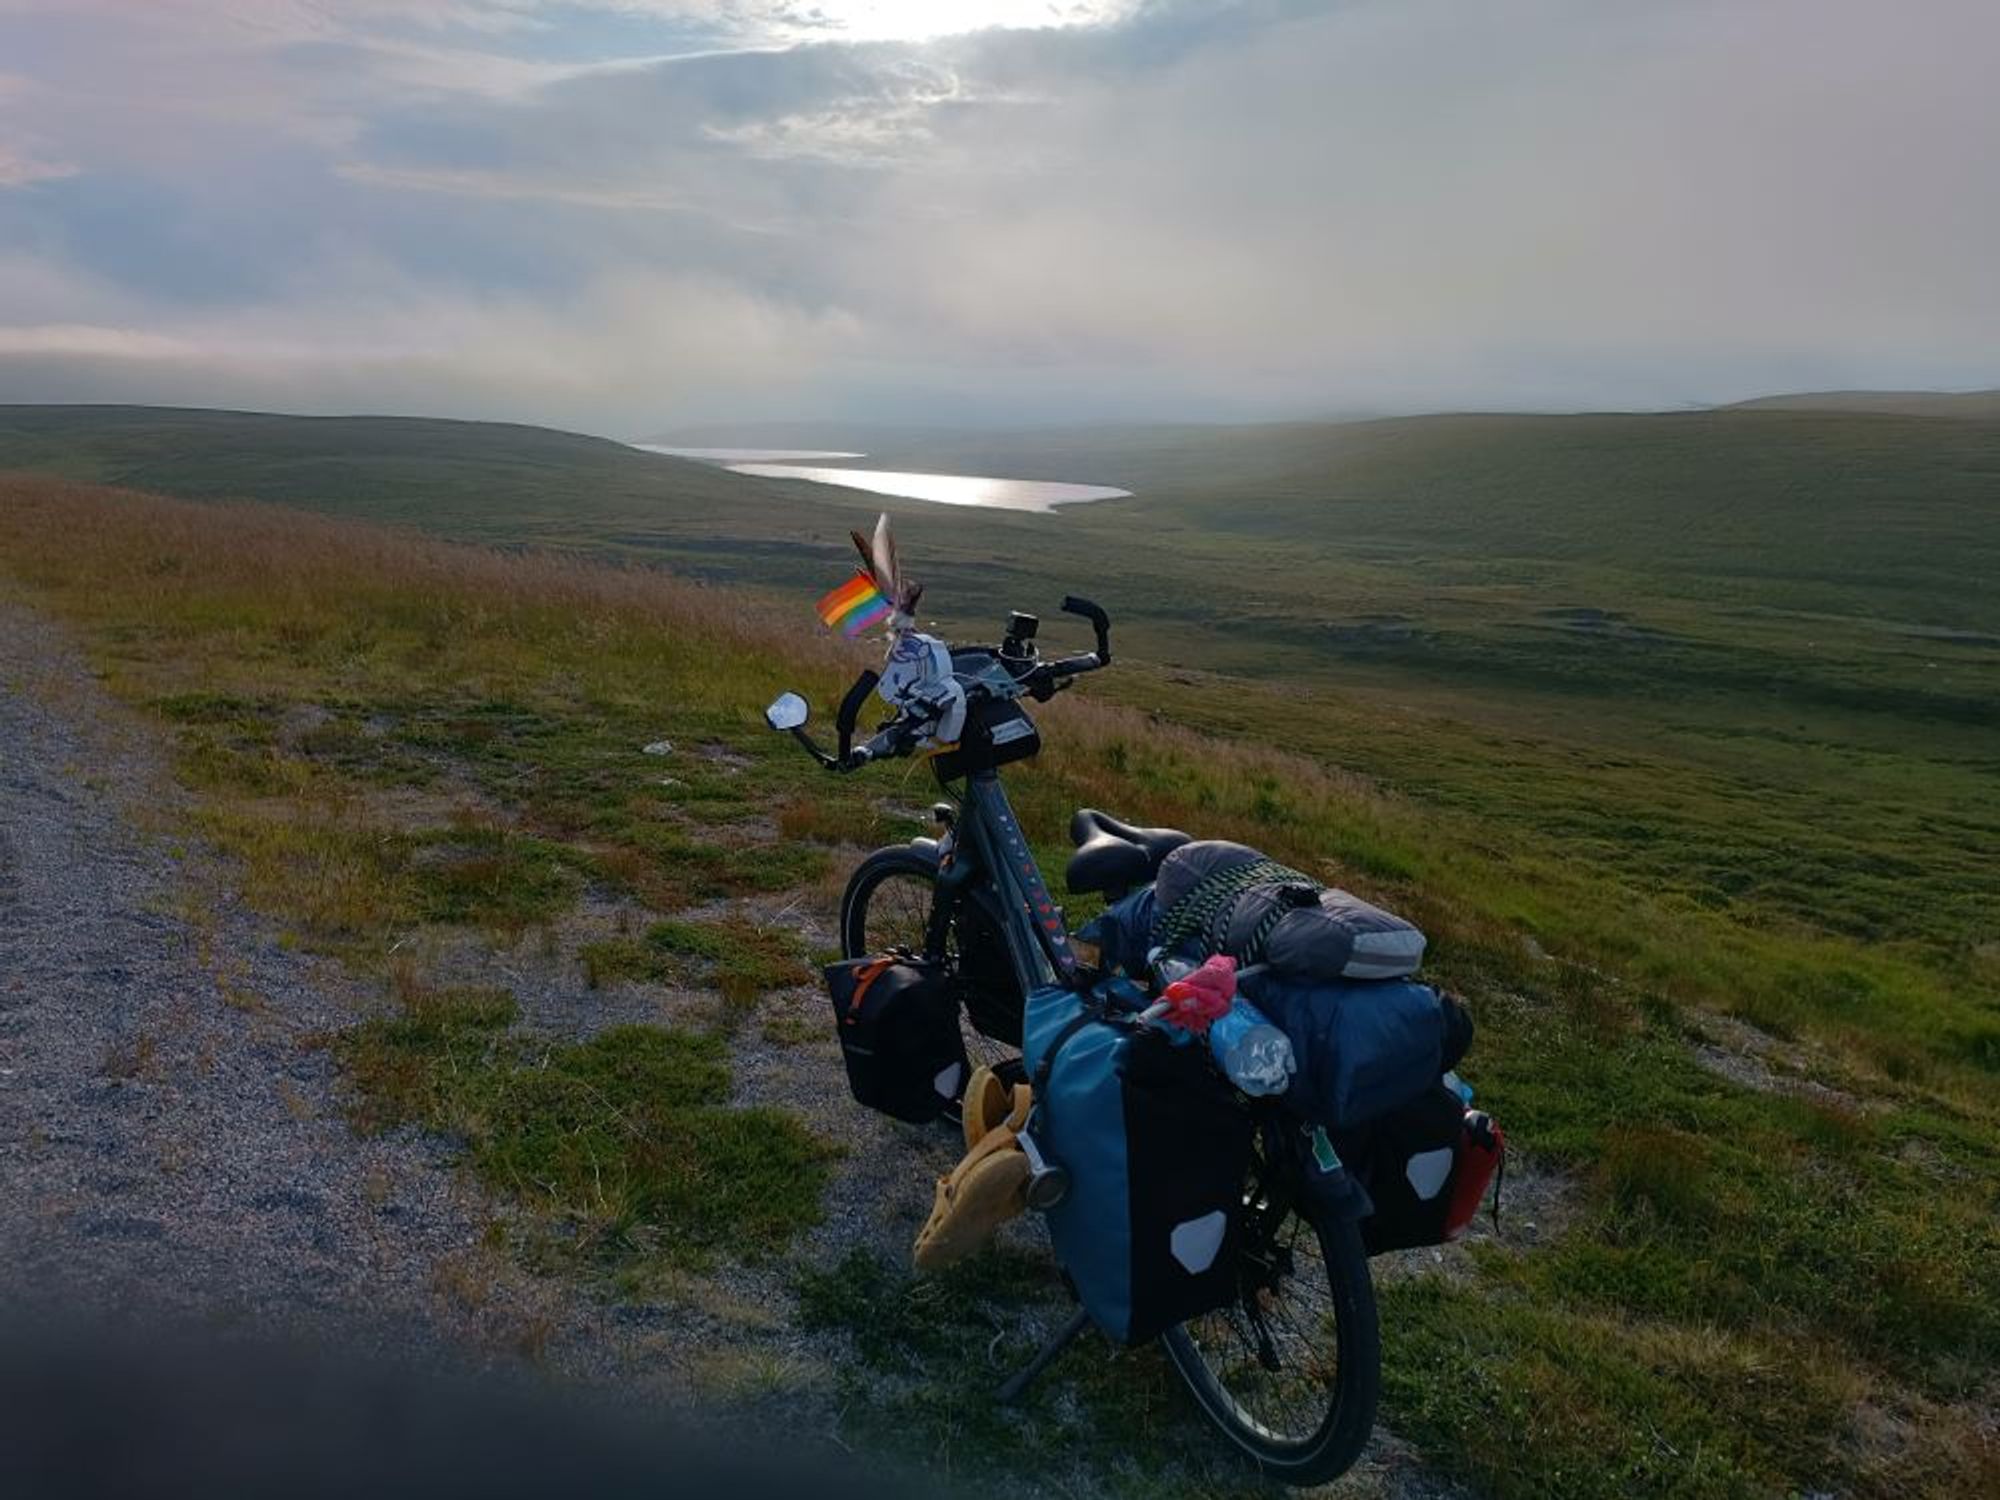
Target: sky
622,216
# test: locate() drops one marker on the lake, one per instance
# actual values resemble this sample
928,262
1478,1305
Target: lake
944,489
745,455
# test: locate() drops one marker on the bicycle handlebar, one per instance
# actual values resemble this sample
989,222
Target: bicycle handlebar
1100,622
850,709
901,734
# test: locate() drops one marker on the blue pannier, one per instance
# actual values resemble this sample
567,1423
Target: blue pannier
1156,1145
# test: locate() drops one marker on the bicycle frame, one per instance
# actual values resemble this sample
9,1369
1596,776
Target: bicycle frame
987,841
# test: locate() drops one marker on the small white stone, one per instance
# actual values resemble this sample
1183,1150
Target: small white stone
660,747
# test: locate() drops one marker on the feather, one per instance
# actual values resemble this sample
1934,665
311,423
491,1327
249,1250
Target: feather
887,575
867,559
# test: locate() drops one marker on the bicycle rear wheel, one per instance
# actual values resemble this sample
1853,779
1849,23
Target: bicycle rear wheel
887,905
1290,1370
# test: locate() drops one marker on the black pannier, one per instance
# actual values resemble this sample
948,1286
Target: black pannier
898,1026
1426,1166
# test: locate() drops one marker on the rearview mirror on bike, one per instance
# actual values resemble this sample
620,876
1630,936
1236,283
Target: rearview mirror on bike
787,711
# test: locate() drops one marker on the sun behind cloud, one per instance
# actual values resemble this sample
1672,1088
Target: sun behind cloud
925,20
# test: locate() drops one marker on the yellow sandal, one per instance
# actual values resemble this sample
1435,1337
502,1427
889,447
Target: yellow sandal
989,1186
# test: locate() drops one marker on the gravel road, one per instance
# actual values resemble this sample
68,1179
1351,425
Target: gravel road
170,1134
169,1138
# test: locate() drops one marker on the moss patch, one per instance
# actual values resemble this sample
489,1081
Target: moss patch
741,959
624,1143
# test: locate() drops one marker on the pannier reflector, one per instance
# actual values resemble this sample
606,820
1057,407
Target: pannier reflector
1196,1241
1428,1170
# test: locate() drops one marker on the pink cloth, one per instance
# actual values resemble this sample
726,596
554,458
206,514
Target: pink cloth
1198,1000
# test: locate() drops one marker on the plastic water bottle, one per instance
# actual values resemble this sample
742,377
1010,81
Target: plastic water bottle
1459,1087
1253,1052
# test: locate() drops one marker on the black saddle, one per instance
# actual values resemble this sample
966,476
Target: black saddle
1111,857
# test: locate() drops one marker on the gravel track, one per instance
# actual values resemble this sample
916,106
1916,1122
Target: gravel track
169,1135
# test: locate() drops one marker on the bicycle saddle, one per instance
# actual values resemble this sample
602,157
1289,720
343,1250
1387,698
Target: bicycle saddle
1111,857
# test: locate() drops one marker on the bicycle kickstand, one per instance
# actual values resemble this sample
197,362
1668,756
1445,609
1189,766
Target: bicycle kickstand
1063,1337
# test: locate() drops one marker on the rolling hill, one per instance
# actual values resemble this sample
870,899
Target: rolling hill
1979,405
1746,658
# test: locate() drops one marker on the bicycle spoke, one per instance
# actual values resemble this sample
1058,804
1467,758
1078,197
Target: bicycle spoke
899,913
1289,1315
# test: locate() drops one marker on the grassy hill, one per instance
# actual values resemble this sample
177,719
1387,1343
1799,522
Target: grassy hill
1747,658
1977,404
1740,1259
1677,732
473,476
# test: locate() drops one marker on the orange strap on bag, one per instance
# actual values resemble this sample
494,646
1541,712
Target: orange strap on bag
862,980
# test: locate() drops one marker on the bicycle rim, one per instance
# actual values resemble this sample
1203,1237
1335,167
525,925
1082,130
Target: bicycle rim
895,913
1290,1370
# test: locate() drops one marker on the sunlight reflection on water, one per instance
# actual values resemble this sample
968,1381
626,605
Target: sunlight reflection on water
945,489
744,455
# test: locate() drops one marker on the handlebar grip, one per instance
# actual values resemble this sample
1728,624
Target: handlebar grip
1075,605
850,708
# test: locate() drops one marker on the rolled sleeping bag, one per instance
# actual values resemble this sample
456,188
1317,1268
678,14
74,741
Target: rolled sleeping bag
1363,1048
1123,932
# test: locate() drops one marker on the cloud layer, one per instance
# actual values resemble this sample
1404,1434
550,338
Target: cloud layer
621,214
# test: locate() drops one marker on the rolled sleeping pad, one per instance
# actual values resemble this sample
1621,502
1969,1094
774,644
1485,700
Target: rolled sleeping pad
1306,931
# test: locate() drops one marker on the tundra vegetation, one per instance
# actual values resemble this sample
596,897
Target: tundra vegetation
1699,811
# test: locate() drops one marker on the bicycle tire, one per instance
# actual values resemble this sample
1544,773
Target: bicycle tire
1336,1441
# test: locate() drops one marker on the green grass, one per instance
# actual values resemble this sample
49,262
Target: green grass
742,960
1731,663
1570,1405
624,1142
940,1345
1779,814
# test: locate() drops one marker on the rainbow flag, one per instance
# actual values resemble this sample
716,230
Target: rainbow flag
854,606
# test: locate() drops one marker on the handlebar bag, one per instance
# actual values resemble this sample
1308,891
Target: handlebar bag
1157,1146
997,732
1426,1168
897,1021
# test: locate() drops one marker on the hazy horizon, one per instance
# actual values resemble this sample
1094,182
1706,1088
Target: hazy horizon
696,439
637,217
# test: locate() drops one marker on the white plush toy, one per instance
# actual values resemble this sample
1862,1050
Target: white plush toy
916,675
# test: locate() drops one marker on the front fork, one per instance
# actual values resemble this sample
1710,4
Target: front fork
954,876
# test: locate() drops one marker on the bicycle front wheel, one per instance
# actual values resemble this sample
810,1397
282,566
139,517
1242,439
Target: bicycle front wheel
888,905
1291,1369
